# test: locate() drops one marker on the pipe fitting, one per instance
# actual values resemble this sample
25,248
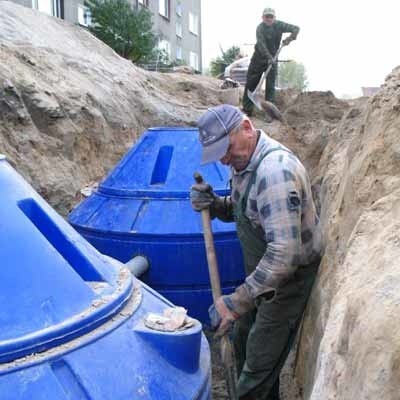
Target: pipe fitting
138,265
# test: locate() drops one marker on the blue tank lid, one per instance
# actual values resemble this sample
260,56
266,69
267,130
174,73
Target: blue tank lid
54,286
161,165
147,192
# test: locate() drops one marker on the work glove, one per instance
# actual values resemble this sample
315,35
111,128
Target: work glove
286,41
202,196
228,308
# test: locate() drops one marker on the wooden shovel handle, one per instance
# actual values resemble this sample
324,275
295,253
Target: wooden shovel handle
227,352
210,249
211,257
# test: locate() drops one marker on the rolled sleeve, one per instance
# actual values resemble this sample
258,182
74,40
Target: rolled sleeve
279,209
289,28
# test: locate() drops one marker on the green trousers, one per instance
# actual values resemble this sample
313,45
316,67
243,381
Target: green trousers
256,69
263,337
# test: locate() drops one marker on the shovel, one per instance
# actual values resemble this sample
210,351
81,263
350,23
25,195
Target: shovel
271,108
227,354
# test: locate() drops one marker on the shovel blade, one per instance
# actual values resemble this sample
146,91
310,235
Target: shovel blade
272,110
254,98
227,356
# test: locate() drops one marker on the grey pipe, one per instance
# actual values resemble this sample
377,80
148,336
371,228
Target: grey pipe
138,266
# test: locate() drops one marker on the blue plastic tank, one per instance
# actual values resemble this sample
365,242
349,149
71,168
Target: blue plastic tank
72,319
143,207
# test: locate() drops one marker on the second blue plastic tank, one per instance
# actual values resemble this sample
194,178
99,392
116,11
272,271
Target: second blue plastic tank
73,320
143,208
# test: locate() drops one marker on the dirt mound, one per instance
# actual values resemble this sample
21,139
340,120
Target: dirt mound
70,106
314,106
350,347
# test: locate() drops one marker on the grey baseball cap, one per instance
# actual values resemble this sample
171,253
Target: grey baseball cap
269,11
214,127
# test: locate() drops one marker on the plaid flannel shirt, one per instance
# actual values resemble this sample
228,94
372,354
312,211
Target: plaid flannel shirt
281,203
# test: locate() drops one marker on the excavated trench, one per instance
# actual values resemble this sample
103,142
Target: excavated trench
349,347
70,108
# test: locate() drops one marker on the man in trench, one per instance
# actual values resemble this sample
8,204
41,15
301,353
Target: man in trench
269,36
279,232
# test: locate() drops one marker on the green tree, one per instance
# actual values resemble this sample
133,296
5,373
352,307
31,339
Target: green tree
218,65
292,75
156,56
125,29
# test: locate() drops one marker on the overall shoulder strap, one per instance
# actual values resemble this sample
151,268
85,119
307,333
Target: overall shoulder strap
253,176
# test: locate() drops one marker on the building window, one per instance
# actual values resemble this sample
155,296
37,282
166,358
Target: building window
84,15
193,23
179,53
49,7
178,29
144,2
163,8
194,60
165,46
179,9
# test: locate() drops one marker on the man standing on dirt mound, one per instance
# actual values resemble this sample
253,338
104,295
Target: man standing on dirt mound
278,228
269,36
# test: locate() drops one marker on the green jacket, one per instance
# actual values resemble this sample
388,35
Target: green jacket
269,37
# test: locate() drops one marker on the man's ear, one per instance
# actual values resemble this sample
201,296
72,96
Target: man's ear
247,126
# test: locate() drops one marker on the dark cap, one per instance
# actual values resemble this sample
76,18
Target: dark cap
214,127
